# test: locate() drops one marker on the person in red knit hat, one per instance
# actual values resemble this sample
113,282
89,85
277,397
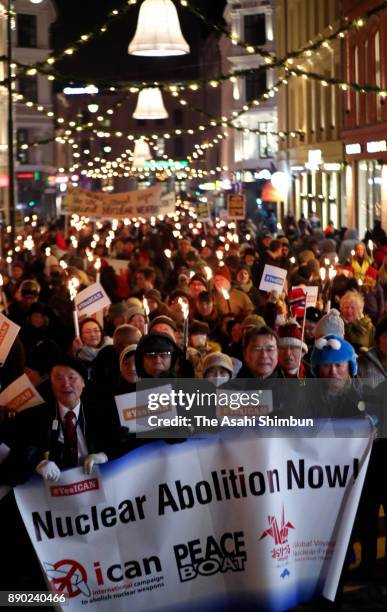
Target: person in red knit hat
291,350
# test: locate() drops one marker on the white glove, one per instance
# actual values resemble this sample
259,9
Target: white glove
48,470
92,459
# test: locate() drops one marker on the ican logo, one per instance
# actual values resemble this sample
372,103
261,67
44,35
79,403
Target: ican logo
211,556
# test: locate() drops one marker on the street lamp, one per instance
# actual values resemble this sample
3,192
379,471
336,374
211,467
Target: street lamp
11,162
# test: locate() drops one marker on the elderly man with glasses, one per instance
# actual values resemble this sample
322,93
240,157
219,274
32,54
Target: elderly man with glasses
260,354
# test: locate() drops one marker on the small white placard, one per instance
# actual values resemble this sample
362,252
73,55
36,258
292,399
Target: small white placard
20,395
134,408
8,332
273,279
311,294
91,300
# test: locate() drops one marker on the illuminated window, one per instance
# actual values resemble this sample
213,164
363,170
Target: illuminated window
267,142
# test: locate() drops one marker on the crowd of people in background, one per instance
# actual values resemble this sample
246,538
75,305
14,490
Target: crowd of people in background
186,303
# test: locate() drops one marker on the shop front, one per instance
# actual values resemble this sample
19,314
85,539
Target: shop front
366,182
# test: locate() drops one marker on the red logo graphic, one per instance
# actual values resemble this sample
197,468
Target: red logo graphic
68,577
83,486
279,534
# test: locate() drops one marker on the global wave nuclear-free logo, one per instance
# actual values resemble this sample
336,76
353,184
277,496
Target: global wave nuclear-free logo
279,531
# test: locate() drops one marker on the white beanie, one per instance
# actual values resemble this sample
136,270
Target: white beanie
331,323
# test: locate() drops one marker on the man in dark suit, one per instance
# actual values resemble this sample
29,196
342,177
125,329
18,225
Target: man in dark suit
70,431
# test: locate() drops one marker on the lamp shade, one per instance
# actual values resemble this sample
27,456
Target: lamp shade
150,104
158,31
141,153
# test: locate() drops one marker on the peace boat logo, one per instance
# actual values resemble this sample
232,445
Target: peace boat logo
68,577
279,533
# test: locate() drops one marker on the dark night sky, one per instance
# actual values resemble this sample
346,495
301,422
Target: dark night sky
107,55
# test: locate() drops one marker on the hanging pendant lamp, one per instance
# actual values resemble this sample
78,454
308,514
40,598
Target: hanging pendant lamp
150,105
158,32
141,153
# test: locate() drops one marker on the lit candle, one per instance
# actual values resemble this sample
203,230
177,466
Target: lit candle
371,247
323,274
73,285
226,296
97,267
185,309
147,312
208,272
332,273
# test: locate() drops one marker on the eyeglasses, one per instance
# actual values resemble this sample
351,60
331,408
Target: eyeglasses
162,355
264,349
89,332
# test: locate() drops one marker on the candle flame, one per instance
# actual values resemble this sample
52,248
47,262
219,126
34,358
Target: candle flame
184,307
1,280
168,253
332,273
225,294
97,264
73,285
208,272
48,251
146,306
323,274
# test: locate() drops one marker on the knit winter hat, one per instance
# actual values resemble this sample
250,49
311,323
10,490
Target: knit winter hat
372,272
133,301
217,360
290,334
164,320
198,327
119,308
128,350
133,311
153,294
200,279
331,323
253,320
223,271
332,349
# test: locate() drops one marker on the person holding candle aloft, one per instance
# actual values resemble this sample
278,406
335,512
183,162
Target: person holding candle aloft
228,298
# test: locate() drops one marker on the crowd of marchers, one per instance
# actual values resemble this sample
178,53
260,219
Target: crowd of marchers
186,303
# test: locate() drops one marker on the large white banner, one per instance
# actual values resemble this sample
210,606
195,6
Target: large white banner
143,203
220,523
